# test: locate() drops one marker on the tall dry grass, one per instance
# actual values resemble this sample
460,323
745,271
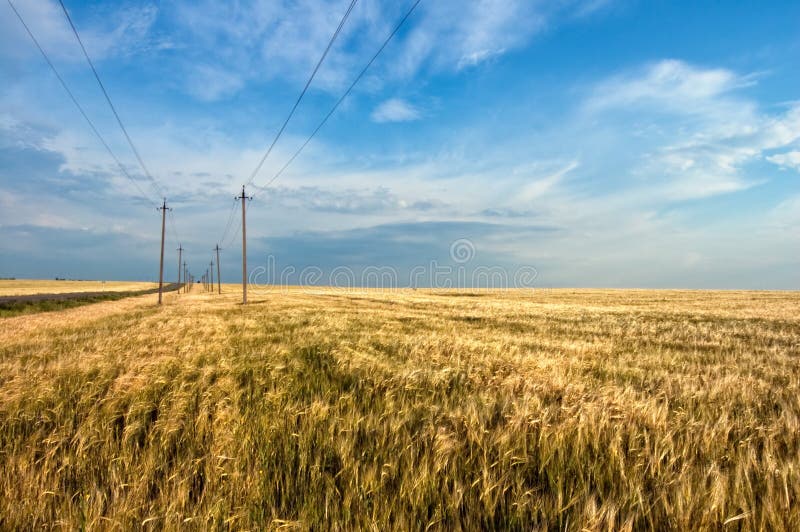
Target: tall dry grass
409,410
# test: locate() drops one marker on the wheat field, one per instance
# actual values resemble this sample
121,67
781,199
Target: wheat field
341,410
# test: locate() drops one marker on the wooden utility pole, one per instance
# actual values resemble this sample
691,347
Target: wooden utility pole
219,279
163,210
187,286
211,271
244,199
180,252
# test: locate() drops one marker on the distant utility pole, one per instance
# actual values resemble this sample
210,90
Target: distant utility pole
211,270
180,252
163,210
219,279
243,198
186,286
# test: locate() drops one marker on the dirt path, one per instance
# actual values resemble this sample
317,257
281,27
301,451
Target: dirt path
14,328
32,298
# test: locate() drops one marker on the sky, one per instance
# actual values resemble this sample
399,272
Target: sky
589,143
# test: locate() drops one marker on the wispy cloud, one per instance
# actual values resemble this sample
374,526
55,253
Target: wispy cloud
210,83
115,33
789,159
786,214
395,110
345,200
539,187
704,131
268,40
463,34
680,86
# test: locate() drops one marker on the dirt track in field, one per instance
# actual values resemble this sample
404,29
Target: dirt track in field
34,298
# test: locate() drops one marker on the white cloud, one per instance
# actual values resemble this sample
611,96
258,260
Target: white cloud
210,83
117,33
787,213
395,110
264,40
46,21
790,159
277,40
467,33
125,32
675,84
477,57
539,187
707,131
589,7
346,201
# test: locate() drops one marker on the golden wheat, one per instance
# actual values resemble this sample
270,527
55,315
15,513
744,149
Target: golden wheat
334,409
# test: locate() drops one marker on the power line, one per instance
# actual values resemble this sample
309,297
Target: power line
228,224
346,93
80,109
233,235
173,226
108,99
303,92
286,121
116,114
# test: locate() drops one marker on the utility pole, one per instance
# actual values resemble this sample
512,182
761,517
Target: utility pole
219,279
163,210
244,199
187,286
180,252
211,270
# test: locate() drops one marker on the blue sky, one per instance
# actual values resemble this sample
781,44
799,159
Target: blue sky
604,143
